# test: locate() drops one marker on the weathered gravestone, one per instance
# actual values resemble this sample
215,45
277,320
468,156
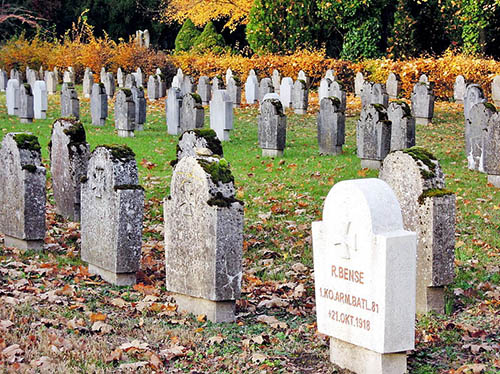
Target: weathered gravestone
358,83
272,128
337,90
198,142
140,107
40,100
22,192
188,85
429,210
69,157
12,97
98,104
51,82
286,90
68,77
204,238
120,78
26,113
330,74
492,150
192,114
112,212
204,89
324,88
402,125
265,87
173,105
495,90
217,84
162,85
302,76
153,88
424,79
102,76
70,104
130,81
234,90
475,131
88,82
373,136
31,76
251,88
110,85
393,85
459,89
276,78
125,113
229,74
300,97
364,270
15,74
221,114
139,77
473,95
3,80
422,103
331,126
56,75
374,93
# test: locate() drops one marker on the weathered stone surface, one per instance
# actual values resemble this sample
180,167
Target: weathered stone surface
204,89
199,142
374,93
272,128
153,88
324,88
56,75
22,191
459,89
492,150
303,76
286,90
40,100
139,78
234,90
69,157
102,75
51,82
424,79
140,107
88,82
217,84
192,114
331,126
204,238
68,77
358,83
337,90
364,270
112,213
276,79
330,74
229,74
221,114
110,85
162,85
402,125
495,90
130,81
422,103
125,113
373,135
251,89
300,97
474,95
429,210
265,87
70,104
12,97
3,80
475,133
120,78
393,85
173,105
98,104
26,112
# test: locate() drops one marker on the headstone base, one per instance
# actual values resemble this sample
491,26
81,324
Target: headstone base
371,164
300,111
102,122
119,279
42,115
364,361
422,121
10,241
25,120
216,311
272,153
336,150
494,180
433,300
139,127
125,133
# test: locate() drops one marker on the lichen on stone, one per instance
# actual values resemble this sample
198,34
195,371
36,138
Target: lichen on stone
223,202
219,170
277,104
336,100
27,141
491,107
27,87
404,106
119,151
196,97
127,92
75,132
434,192
427,158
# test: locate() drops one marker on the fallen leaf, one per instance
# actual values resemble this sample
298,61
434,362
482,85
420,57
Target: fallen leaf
173,352
271,321
258,357
133,365
5,324
100,326
134,344
216,339
97,317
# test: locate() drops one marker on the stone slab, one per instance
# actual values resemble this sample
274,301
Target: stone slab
118,279
36,245
216,311
272,153
371,164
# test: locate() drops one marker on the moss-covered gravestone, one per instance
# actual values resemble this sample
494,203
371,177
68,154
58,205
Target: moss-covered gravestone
69,158
402,125
22,192
192,114
429,210
272,128
124,113
331,126
112,212
476,134
204,238
70,104
198,142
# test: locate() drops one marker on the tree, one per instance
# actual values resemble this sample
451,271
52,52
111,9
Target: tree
476,17
209,39
17,17
186,37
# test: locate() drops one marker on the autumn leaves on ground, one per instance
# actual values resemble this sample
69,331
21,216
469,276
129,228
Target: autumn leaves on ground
56,317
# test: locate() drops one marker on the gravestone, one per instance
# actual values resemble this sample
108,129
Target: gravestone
192,114
176,82
302,76
358,83
120,78
40,100
173,105
373,136
109,84
188,85
374,93
459,89
221,114
146,38
330,74
476,128
331,126
422,103
41,73
26,112
124,113
68,77
286,90
22,192
473,95
266,86
102,75
272,128
428,209
162,85
140,107
324,88
204,238
31,76
51,82
15,74
364,275
158,71
153,88
234,91
424,79
492,151
70,104
204,89
393,85
217,84
229,74
139,78
276,78
3,80
251,89
12,97
88,82
56,75
337,90
69,157
98,105
130,81
198,142
402,125
495,90
300,97
111,195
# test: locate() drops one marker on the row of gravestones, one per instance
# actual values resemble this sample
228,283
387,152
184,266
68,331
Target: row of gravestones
26,101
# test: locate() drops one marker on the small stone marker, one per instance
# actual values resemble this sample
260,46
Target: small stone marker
98,105
69,157
204,238
192,114
428,209
286,90
26,112
124,113
12,97
373,136
234,91
51,82
374,93
15,74
40,100
56,75
102,75
130,81
221,114
188,85
3,80
330,74
393,85
68,77
402,125
173,105
331,126
140,107
251,88
112,212
300,97
337,90
153,88
422,103
204,89
217,84
324,88
474,95
22,192
139,78
120,78
424,79
495,90
110,85
302,76
70,104
364,270
276,78
358,83
492,151
459,89
266,86
162,85
88,82
476,129
272,128
229,74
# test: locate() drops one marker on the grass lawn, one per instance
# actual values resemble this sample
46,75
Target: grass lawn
55,317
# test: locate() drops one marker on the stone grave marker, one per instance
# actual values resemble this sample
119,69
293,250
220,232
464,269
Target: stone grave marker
130,81
337,90
276,79
286,90
364,270
12,97
424,79
422,103
173,105
192,114
492,150
125,113
428,209
251,89
88,82
56,75
22,192
204,89
26,112
68,77
476,128
140,107
324,88
495,90
272,128
188,85
69,157
330,74
358,83
266,86
473,95
162,85
153,88
300,97
217,84
393,85
120,78
40,100
198,142
70,104
459,89
98,104
102,76
109,84
16,74
303,76
3,80
139,78
331,126
221,114
229,74
234,90
111,195
51,82
402,125
374,93
373,136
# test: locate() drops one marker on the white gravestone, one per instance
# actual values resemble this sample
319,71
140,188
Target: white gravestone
286,89
251,89
221,114
40,103
364,266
